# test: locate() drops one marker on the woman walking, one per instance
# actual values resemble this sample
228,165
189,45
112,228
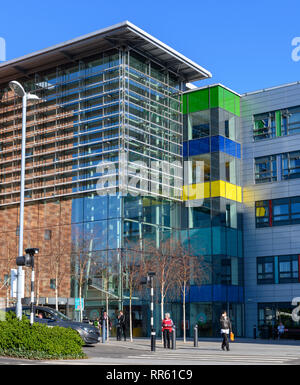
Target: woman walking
226,329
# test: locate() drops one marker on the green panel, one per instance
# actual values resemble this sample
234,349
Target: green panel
198,100
237,105
214,97
211,97
229,101
278,123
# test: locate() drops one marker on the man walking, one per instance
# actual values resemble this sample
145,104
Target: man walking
121,326
226,328
167,328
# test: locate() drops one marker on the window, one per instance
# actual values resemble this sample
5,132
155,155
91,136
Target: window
292,116
277,212
198,124
262,213
291,165
265,169
277,123
288,268
264,126
47,235
52,283
265,270
280,211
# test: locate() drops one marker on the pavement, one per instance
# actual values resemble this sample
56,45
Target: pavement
242,352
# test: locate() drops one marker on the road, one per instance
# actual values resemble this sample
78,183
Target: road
243,352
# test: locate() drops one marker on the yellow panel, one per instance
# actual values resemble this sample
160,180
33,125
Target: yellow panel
218,188
195,191
239,193
230,191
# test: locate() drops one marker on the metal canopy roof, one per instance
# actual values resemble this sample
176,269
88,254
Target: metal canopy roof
122,34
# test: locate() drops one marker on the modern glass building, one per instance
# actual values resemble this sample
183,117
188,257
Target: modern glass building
112,150
212,134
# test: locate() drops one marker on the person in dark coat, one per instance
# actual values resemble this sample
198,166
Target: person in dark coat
105,318
226,329
121,326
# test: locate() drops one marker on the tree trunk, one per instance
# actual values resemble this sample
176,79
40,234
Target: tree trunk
184,322
107,323
130,314
56,290
162,311
80,291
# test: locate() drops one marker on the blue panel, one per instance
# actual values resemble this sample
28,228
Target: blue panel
230,147
233,294
238,151
201,293
217,143
241,294
199,146
219,293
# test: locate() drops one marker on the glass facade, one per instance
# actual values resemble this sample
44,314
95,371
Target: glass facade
105,153
213,228
92,112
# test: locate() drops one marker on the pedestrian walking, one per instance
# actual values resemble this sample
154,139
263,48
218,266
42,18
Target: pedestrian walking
280,330
103,325
167,328
226,329
121,326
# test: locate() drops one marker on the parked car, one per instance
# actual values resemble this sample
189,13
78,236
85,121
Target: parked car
51,317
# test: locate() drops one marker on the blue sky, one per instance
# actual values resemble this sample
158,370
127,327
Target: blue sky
245,44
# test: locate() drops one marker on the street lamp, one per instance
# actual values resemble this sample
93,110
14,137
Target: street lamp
17,88
149,280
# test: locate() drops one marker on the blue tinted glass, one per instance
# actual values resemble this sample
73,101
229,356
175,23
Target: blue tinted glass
114,206
113,238
219,240
96,234
200,241
95,207
77,210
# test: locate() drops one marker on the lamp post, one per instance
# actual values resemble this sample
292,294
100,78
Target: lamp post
17,88
149,280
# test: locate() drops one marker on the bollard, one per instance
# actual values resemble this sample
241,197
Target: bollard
196,336
254,332
153,340
103,331
174,337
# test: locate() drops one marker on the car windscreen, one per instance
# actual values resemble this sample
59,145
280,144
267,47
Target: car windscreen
60,315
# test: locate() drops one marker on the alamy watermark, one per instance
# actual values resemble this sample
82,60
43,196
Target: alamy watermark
296,51
182,181
2,49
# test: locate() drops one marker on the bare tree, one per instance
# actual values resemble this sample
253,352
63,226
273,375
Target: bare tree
8,258
190,269
82,259
133,269
58,265
162,263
